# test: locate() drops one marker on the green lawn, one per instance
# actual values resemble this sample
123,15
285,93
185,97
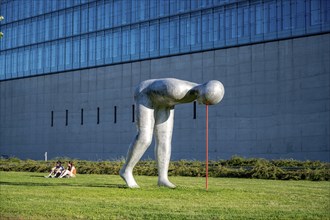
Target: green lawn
30,196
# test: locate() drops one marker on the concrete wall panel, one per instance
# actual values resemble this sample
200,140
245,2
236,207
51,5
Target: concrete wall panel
276,105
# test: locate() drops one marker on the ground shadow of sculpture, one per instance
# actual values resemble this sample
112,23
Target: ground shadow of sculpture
155,100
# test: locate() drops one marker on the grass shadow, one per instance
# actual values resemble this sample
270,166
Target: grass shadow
121,186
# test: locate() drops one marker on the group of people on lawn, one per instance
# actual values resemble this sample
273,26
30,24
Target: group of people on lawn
59,172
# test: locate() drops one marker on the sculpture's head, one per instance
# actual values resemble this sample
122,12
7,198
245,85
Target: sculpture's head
211,93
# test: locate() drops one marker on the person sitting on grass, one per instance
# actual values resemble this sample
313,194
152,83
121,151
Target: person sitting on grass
56,171
70,171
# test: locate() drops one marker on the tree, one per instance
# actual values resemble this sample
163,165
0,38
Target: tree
1,18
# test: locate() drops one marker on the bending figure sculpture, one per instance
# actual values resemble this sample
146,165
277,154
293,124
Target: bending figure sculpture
155,100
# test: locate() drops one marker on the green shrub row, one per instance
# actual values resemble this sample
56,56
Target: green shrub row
235,167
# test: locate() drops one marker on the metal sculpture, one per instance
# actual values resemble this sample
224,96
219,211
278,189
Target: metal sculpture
155,100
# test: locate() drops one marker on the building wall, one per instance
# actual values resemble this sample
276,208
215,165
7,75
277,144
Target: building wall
276,105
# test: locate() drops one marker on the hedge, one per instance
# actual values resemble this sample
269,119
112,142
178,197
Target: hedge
235,167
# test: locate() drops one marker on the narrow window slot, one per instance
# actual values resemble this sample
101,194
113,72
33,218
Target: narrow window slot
115,115
133,113
194,113
82,116
98,115
66,117
52,119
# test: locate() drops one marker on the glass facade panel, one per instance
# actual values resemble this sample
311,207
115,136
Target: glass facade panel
184,33
126,41
100,15
116,45
164,36
40,59
154,39
144,40
50,36
68,22
135,42
196,30
84,19
68,54
92,17
207,29
2,65
83,51
99,56
174,35
61,55
108,39
76,52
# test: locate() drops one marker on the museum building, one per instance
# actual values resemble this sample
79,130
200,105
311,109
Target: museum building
68,70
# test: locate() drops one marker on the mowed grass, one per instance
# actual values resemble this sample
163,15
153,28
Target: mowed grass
30,196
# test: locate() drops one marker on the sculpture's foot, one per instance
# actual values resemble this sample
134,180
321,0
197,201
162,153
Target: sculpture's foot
166,183
128,178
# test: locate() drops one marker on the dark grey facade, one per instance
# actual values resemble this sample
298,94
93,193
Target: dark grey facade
276,104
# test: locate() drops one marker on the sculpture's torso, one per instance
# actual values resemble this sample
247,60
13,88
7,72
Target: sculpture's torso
165,92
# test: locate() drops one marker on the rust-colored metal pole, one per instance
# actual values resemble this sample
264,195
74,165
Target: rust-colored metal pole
207,147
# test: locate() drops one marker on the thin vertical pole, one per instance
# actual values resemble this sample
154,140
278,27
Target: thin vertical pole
207,147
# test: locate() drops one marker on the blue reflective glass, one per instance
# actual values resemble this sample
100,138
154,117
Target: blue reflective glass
54,26
207,29
164,36
143,10
68,53
108,47
116,55
68,22
196,30
14,63
84,19
164,7
126,11
35,6
47,30
126,44
100,48
76,52
174,35
154,39
184,33
20,61
33,58
108,8
8,65
219,27
8,36
14,35
27,61
47,59
40,59
61,55
144,40
76,21
41,29
135,42
92,17
61,25
153,8
100,15
91,50
2,65
54,57
38,34
117,12
83,51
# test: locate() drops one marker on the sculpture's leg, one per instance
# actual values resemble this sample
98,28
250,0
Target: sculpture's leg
163,137
145,125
